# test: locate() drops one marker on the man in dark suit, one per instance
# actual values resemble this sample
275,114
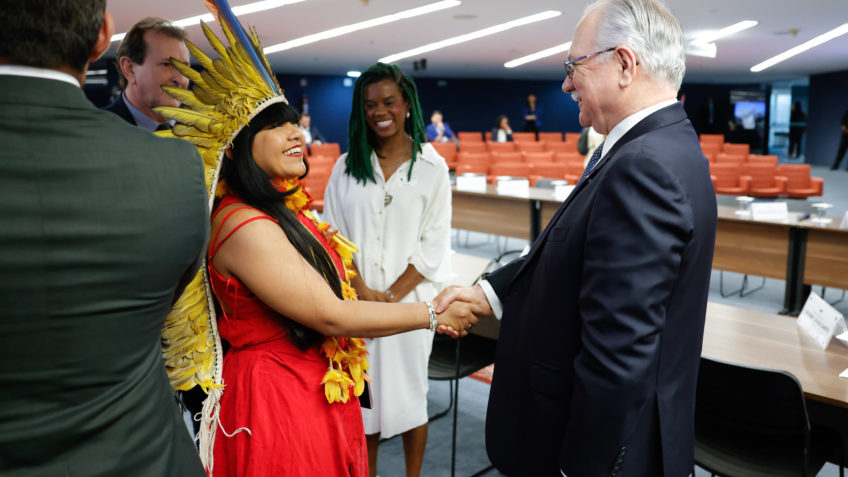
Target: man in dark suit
603,319
103,224
311,135
143,61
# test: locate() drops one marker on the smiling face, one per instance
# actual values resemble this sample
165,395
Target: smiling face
593,84
279,151
385,109
145,80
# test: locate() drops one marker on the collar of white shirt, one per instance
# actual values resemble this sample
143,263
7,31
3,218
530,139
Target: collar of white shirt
32,72
627,123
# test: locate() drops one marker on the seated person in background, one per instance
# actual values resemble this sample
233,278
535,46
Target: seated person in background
311,135
438,130
502,132
588,142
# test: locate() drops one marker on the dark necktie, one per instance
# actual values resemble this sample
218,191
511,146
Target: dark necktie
592,161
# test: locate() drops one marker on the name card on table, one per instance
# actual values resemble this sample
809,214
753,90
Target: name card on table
513,186
820,321
844,224
770,211
471,182
562,191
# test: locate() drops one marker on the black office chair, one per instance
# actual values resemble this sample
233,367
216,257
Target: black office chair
753,422
452,360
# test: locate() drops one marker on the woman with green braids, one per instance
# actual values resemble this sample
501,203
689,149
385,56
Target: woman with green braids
390,193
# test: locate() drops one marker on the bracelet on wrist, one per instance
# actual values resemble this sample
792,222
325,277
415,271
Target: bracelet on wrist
389,292
432,313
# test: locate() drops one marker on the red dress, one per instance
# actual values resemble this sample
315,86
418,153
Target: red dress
274,389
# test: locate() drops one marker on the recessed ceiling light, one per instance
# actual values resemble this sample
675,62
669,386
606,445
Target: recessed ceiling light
239,10
726,31
344,30
538,55
471,36
836,32
354,74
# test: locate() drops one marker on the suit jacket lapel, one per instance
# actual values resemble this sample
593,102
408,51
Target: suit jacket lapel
665,116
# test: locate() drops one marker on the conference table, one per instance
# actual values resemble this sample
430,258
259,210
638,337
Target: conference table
797,250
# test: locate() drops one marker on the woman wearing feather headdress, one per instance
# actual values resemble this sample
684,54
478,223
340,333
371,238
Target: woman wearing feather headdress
281,282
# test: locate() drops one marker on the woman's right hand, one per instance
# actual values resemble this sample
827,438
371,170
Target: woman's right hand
368,294
458,318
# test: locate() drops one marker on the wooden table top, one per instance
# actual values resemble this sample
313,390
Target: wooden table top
756,338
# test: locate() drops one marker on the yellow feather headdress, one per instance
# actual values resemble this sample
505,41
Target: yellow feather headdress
229,92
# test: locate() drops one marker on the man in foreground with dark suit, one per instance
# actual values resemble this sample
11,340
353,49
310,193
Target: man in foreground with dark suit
603,319
143,61
103,224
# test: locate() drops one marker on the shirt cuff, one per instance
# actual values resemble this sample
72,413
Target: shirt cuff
494,301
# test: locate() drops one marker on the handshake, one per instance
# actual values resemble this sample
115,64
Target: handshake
458,308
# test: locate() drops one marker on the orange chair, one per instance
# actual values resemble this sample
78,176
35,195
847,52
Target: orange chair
469,168
550,137
572,137
727,179
524,137
730,148
321,163
512,169
448,151
469,136
573,171
561,146
481,159
500,146
315,184
712,138
711,156
575,157
764,180
512,156
547,170
724,157
330,149
471,146
710,148
763,159
546,157
530,146
799,184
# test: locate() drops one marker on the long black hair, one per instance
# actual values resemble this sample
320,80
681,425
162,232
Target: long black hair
362,140
249,182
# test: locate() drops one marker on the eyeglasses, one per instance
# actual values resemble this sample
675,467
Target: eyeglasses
569,65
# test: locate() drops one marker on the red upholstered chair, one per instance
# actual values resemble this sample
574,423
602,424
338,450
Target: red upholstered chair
538,157
575,157
764,180
512,156
448,151
572,137
712,138
763,159
469,136
500,146
315,183
550,137
530,146
573,171
513,169
728,180
730,148
710,148
471,167
561,146
473,158
321,163
799,184
724,157
547,170
472,146
331,149
524,137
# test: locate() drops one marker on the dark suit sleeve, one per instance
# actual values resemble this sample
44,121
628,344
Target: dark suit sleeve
639,225
501,278
196,195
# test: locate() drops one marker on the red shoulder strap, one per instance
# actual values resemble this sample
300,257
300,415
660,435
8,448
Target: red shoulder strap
216,244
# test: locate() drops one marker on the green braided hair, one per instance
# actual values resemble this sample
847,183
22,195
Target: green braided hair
362,140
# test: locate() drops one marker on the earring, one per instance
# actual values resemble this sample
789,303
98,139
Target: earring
407,114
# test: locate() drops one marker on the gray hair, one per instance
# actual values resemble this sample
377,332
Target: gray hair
649,29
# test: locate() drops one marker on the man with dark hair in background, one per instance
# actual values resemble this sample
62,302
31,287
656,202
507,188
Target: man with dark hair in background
843,142
143,61
103,225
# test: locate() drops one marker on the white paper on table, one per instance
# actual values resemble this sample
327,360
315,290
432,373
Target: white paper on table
844,224
514,186
844,374
471,182
561,192
770,211
819,320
